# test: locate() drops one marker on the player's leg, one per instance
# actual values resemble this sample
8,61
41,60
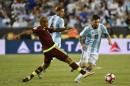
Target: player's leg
62,56
92,61
59,46
37,71
84,63
47,61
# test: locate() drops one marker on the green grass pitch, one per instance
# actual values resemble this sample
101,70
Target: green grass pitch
15,67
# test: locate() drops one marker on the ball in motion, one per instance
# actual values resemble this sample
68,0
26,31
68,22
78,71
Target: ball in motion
110,78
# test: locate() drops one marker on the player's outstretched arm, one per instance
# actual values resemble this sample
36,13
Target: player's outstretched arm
109,40
27,32
61,29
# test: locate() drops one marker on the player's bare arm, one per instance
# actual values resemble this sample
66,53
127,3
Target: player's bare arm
109,40
27,32
61,29
82,39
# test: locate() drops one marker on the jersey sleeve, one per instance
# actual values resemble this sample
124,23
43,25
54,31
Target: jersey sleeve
36,30
61,23
84,31
50,21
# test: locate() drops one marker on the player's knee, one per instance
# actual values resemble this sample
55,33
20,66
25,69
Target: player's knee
90,64
83,65
89,69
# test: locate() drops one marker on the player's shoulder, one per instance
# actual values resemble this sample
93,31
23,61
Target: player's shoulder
87,27
59,18
36,27
101,24
50,17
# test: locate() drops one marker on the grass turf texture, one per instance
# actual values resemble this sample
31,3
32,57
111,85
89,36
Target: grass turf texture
13,68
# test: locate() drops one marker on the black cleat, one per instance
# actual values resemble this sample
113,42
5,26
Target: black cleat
26,79
72,70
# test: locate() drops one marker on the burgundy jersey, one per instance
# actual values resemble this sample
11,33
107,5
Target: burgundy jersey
44,36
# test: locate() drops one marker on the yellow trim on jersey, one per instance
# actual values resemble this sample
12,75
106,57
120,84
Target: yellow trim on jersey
49,48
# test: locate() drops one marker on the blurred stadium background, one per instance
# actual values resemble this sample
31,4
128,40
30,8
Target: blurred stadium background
20,57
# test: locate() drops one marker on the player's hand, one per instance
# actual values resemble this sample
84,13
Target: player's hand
83,46
17,37
69,28
110,43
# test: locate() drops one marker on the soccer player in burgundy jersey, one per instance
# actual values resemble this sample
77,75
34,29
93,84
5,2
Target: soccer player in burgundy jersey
50,49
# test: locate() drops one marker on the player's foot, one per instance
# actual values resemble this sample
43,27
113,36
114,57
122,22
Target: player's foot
78,63
72,70
88,74
26,79
39,76
77,80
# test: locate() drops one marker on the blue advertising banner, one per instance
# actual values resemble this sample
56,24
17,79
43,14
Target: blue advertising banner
119,46
23,46
34,46
71,45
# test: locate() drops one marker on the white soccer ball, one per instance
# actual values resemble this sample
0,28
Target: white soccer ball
110,78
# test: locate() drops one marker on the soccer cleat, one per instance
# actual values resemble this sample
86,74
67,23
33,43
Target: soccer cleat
72,70
39,76
26,79
77,80
88,74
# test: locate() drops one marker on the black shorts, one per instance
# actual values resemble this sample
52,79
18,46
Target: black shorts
55,52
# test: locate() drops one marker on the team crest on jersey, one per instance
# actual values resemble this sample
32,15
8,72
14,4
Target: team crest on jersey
92,32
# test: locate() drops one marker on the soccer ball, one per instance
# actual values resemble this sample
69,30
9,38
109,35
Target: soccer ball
110,78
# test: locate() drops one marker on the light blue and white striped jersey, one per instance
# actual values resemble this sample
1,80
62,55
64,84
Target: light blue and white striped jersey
56,22
93,37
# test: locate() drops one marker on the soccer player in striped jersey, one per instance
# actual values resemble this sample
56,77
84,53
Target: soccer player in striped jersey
90,39
56,21
50,49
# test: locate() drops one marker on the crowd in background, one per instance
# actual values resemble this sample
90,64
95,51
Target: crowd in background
26,13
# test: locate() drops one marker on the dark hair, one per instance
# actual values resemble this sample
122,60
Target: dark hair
95,17
58,8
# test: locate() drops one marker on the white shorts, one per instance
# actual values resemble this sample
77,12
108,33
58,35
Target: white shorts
88,57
